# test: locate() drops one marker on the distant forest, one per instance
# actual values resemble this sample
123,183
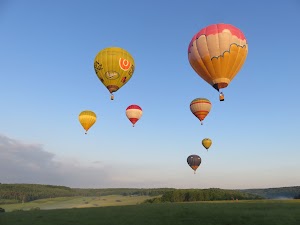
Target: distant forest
212,194
276,193
17,193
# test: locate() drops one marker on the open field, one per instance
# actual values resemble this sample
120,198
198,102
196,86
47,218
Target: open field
76,202
259,212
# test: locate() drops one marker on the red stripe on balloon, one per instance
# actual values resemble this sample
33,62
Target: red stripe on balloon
193,103
133,120
134,107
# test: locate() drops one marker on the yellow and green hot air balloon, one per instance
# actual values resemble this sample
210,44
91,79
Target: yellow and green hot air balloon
206,142
114,67
87,119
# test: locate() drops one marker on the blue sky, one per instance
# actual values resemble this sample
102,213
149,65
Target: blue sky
47,79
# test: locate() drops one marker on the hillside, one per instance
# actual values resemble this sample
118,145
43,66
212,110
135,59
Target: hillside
272,212
275,193
15,193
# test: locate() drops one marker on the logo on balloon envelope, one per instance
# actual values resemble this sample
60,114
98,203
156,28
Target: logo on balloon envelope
112,75
124,64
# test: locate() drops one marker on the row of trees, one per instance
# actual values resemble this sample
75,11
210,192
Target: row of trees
28,192
123,191
12,193
273,193
212,194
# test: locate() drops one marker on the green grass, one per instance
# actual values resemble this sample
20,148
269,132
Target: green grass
76,202
266,212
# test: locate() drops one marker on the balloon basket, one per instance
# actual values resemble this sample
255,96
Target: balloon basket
221,97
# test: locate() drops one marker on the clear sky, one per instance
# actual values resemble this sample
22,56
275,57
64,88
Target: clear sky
47,51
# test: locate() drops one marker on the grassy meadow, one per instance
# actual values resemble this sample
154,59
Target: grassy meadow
76,202
248,212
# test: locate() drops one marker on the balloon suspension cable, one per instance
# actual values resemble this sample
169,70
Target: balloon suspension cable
112,97
132,125
201,123
194,171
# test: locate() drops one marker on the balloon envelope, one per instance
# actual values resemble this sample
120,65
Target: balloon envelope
206,142
217,53
200,107
87,119
134,113
114,67
194,161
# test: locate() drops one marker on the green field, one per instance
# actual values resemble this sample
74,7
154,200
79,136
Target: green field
76,202
259,212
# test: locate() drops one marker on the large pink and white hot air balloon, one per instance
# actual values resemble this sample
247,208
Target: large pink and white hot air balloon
217,53
134,113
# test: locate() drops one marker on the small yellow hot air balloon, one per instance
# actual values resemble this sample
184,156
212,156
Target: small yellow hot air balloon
114,67
217,53
87,119
206,142
200,107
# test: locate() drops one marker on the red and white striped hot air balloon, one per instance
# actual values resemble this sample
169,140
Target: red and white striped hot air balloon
200,107
134,113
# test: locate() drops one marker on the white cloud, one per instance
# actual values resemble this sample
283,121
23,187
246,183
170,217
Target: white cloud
31,163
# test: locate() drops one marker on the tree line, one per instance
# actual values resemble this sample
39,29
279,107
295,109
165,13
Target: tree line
17,193
273,193
297,196
212,194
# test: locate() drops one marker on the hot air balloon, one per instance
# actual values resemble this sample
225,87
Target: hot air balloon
134,113
114,67
200,107
87,119
206,142
194,162
217,53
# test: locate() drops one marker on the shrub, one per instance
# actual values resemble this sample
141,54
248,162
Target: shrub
17,210
35,208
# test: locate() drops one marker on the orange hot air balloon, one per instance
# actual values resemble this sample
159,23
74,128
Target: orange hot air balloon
200,107
134,113
217,53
